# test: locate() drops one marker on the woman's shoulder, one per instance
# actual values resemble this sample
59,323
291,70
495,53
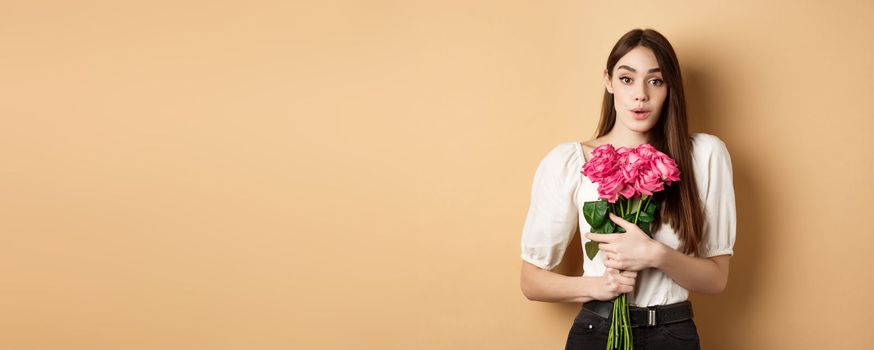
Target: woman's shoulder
710,158
566,154
706,145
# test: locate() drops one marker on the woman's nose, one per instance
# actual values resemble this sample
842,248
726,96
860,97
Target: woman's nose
640,94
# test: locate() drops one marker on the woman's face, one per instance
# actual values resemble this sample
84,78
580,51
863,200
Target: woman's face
638,90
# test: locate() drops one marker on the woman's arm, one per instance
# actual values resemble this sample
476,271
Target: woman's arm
635,251
544,285
702,275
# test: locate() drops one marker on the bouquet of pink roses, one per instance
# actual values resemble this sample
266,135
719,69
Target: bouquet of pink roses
627,180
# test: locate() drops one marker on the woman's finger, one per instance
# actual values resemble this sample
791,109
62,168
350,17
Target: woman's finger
625,280
613,264
621,222
598,237
630,274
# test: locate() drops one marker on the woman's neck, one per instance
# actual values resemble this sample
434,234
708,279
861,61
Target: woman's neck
625,138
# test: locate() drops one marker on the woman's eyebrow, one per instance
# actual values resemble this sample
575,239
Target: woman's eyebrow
656,69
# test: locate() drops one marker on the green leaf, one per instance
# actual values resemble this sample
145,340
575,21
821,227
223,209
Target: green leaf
595,212
606,228
604,210
645,217
589,212
648,215
591,249
651,208
630,217
645,226
599,229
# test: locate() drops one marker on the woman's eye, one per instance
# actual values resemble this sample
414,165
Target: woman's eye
622,79
657,82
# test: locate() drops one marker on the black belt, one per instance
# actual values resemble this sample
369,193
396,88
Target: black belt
645,316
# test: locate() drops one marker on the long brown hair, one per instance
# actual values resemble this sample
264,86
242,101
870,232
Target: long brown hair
679,203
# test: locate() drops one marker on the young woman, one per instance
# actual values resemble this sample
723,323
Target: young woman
695,229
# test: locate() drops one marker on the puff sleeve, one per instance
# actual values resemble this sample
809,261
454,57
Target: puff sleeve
552,218
718,196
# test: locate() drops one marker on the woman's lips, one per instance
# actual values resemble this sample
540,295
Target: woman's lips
641,115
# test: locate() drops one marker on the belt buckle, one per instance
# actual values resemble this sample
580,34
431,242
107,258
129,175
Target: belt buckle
650,317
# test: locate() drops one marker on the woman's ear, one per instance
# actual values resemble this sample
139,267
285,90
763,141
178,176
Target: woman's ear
607,83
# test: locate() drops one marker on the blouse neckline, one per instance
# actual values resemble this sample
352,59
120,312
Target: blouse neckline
582,151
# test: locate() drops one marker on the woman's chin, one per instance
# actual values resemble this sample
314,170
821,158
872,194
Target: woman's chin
639,126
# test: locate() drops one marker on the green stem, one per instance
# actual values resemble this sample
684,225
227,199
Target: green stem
639,202
647,202
628,336
622,319
627,321
611,337
617,321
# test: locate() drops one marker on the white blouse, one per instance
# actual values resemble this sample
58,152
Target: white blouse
559,191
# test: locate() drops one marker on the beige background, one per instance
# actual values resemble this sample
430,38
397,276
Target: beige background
332,175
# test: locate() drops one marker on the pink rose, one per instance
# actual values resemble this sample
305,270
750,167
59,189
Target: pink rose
646,151
622,153
666,168
609,187
605,150
631,166
649,182
634,164
602,165
629,191
634,158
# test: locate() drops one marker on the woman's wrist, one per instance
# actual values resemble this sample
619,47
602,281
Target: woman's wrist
658,252
587,289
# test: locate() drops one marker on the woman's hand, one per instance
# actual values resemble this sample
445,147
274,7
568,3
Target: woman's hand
629,251
614,283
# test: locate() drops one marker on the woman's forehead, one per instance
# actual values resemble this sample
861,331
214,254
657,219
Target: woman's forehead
639,59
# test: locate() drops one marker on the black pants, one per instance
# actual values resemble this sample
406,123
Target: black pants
590,331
